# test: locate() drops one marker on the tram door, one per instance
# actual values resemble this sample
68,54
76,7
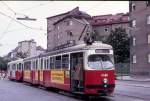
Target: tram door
76,71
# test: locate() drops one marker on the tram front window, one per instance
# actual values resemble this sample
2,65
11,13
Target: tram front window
100,62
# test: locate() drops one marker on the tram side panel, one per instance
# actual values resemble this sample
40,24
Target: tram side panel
27,76
35,77
60,79
47,78
19,75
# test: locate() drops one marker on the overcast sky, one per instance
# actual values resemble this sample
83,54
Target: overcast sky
12,31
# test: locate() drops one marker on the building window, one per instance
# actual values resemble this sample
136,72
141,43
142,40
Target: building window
69,33
58,36
132,6
148,58
58,27
106,29
134,40
147,3
148,19
69,22
133,23
148,39
134,58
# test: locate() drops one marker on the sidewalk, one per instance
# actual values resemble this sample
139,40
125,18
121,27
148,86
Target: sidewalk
129,78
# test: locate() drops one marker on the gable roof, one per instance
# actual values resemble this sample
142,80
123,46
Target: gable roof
40,48
76,13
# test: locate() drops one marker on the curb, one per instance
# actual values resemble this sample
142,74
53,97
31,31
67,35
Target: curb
134,80
134,85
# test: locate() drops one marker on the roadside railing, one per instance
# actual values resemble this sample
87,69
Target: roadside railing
122,69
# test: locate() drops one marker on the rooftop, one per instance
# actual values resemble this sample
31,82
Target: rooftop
110,19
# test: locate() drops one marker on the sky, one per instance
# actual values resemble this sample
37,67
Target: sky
13,30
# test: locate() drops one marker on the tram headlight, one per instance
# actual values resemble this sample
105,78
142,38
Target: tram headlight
105,80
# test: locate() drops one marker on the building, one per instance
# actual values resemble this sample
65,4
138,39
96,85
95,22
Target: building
73,25
39,50
103,24
67,27
139,13
26,48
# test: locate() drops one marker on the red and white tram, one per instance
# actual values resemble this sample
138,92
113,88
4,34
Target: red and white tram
15,70
83,69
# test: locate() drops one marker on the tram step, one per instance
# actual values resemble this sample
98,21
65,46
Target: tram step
78,92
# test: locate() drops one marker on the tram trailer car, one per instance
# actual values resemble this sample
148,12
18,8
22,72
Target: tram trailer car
82,69
15,70
31,72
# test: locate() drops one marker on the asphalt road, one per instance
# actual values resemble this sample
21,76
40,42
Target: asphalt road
14,91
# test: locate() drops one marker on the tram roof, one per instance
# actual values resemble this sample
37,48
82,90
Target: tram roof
16,61
78,47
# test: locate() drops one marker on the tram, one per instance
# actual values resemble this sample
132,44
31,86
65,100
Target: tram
80,69
15,70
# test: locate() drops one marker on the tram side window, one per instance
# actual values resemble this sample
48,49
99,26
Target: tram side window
58,62
8,66
52,63
47,63
19,66
27,65
41,67
22,67
14,67
36,66
65,61
33,65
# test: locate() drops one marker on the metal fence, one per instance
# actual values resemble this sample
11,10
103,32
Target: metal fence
122,68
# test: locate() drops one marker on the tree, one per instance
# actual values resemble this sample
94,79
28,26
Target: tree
21,55
3,64
120,42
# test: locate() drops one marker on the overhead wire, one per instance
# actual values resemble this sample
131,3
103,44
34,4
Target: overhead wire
20,22
16,20
9,24
8,7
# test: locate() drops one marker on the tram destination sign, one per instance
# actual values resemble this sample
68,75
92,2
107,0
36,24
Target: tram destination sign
102,51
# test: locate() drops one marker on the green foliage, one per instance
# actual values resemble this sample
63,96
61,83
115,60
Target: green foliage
21,55
3,64
120,42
